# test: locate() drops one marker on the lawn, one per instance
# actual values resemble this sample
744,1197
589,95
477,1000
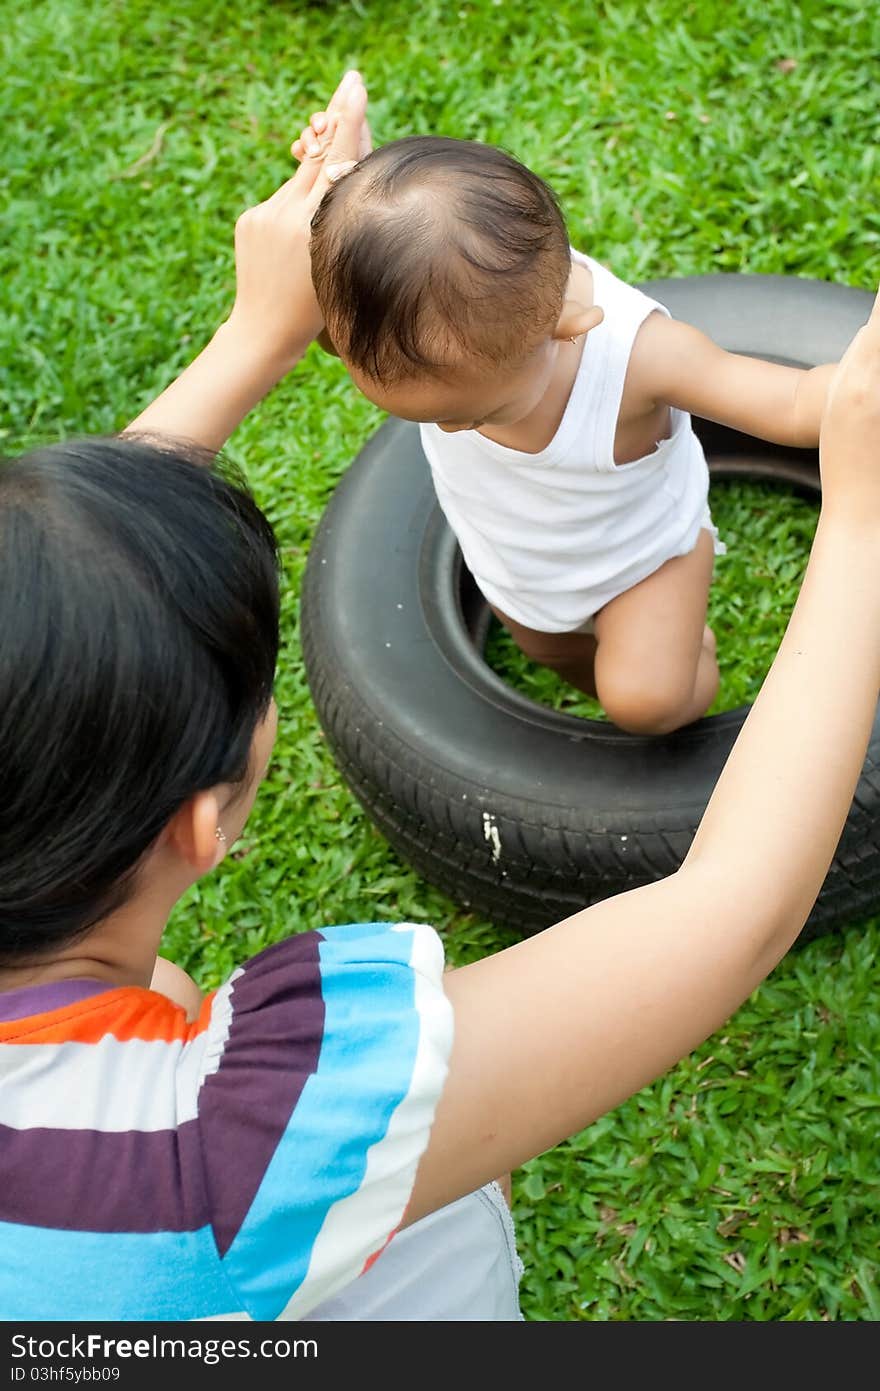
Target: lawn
682,138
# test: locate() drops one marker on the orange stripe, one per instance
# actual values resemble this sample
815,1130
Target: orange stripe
376,1254
127,1013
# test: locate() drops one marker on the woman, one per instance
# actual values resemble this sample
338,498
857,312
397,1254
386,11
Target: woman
256,1160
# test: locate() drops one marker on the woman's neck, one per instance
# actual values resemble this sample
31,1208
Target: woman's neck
120,951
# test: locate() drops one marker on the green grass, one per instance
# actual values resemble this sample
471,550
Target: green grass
743,1185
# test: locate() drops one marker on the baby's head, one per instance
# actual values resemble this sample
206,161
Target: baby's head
441,267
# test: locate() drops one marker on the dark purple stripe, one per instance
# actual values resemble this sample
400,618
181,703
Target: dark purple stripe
273,1048
98,1181
40,999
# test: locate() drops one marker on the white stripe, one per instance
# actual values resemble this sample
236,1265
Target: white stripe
380,1202
218,1030
112,1085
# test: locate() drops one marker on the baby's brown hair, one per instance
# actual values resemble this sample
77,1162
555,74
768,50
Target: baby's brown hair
433,252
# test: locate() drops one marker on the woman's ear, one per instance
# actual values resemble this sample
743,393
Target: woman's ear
576,319
193,832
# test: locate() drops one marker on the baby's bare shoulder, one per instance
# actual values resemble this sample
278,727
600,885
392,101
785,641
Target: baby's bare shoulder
660,343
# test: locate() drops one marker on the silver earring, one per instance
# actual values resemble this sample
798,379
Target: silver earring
220,835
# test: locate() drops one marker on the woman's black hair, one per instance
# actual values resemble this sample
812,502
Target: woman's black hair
138,640
433,251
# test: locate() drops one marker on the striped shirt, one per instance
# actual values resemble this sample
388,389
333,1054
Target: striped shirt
249,1164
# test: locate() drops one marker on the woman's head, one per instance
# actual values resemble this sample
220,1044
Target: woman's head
138,640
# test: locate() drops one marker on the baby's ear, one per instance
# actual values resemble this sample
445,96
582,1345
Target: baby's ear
577,318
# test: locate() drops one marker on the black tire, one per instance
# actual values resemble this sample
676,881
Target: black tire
518,812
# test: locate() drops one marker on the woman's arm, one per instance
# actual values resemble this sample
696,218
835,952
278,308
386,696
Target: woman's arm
557,1030
679,365
275,315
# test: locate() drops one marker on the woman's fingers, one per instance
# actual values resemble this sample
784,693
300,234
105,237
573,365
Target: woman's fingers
306,145
860,364
365,144
868,336
313,138
849,455
343,140
349,79
344,147
337,102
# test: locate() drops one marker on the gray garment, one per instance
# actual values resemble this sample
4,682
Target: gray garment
457,1264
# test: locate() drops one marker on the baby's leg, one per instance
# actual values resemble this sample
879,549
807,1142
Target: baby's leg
655,664
570,655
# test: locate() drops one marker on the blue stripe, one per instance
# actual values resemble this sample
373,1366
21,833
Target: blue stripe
371,1036
63,1275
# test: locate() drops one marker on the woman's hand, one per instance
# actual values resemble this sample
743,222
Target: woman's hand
275,303
275,315
849,435
312,140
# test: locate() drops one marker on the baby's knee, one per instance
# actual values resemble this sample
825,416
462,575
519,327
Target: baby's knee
646,707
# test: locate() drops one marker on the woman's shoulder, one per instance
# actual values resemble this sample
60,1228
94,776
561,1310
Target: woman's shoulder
340,954
329,1052
357,988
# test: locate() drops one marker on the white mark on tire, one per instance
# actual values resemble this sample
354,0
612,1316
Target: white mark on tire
490,833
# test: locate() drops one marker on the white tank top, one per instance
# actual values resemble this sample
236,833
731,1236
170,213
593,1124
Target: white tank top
552,537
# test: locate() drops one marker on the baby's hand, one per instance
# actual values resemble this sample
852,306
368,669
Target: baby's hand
316,136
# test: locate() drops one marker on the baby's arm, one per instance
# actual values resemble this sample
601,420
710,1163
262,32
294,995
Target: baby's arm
674,364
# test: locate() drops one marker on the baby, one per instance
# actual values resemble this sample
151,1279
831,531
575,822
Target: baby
554,402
